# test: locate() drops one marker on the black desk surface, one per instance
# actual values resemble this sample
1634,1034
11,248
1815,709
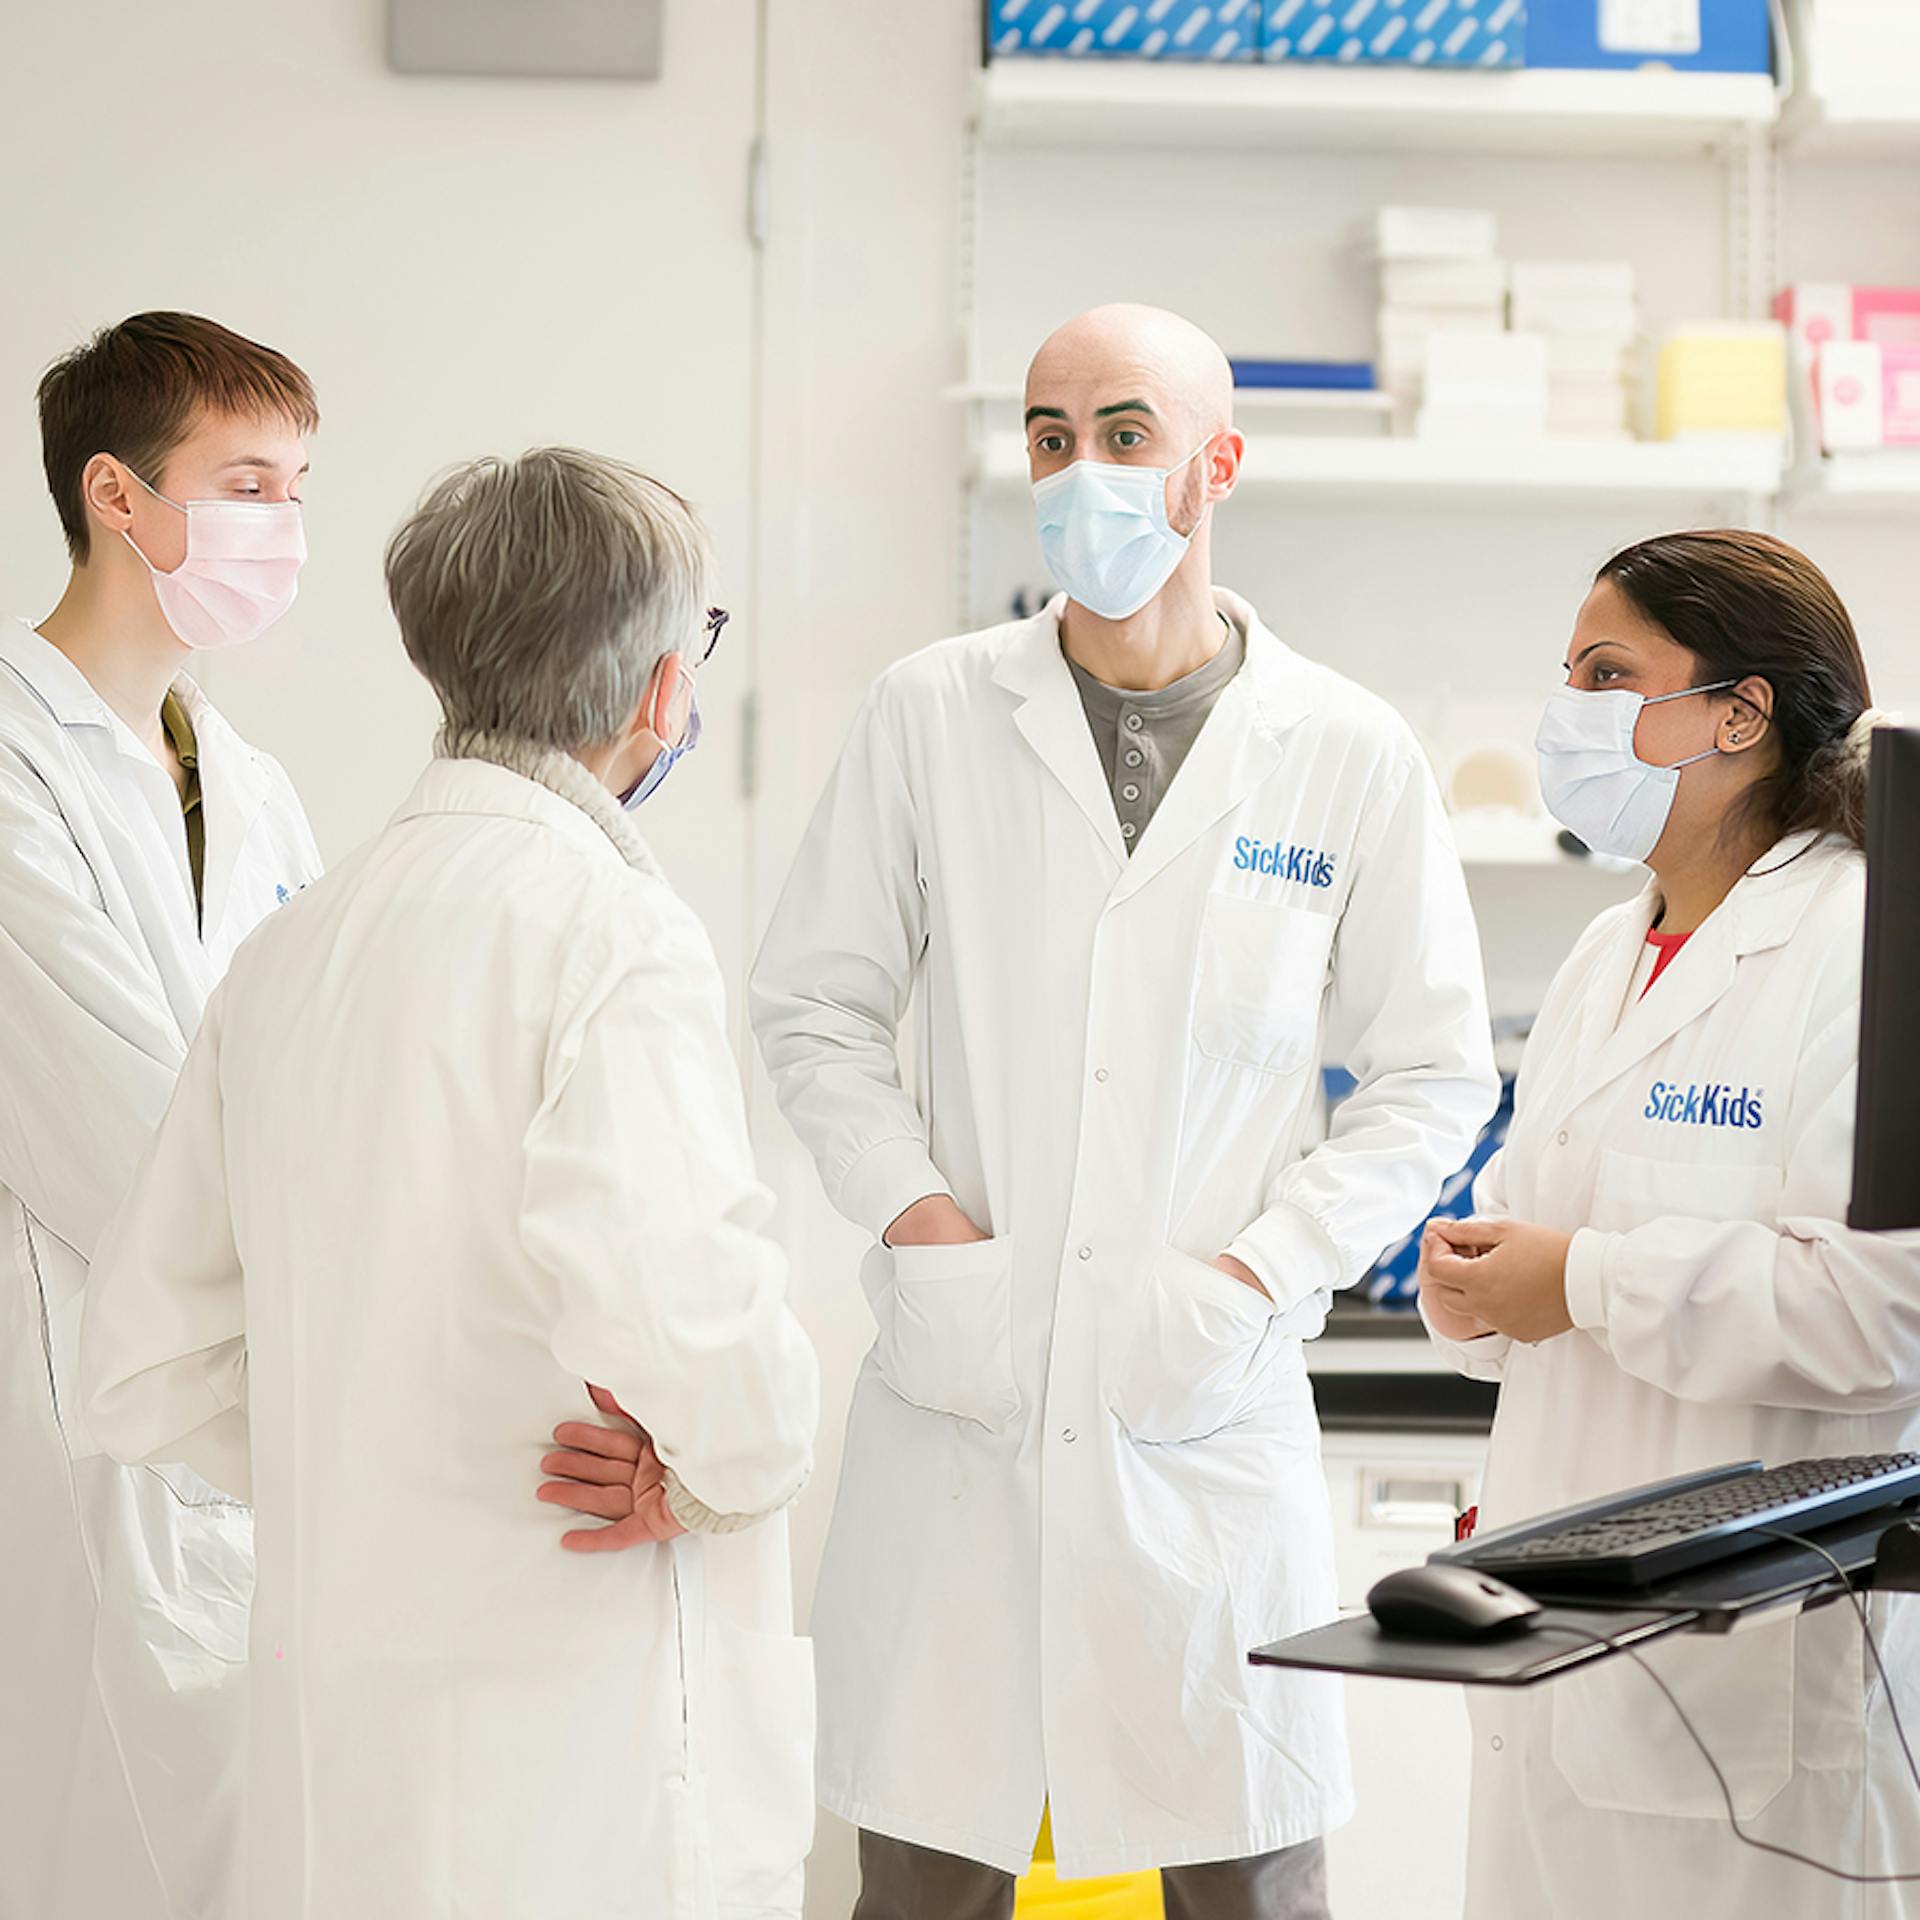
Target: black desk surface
1709,1601
1356,1645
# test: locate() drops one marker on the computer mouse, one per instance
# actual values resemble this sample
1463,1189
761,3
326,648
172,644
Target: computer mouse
1442,1602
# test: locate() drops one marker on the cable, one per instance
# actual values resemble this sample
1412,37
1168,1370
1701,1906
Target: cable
1866,1629
1590,1638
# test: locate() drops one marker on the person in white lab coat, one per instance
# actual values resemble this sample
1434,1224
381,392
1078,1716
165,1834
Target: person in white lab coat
1659,1274
460,1133
1141,868
140,840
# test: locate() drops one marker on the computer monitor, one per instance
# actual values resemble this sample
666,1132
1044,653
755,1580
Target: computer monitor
1886,1140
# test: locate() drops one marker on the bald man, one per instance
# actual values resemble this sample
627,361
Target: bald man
1139,868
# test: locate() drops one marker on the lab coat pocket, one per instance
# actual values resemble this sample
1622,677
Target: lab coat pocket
1623,1749
1262,971
1199,1353
1632,1190
946,1329
758,1701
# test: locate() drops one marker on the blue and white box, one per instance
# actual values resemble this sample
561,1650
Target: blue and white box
1418,33
1124,29
1691,36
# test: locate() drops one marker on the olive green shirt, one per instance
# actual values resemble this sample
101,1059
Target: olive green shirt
173,717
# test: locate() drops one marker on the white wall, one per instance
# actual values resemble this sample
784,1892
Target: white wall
858,523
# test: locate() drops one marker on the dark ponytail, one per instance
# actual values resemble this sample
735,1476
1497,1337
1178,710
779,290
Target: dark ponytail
1746,604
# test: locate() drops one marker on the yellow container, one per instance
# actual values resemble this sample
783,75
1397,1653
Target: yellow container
1043,1894
1728,377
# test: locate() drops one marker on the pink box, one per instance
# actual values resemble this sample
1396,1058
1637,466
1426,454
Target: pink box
1818,312
1869,395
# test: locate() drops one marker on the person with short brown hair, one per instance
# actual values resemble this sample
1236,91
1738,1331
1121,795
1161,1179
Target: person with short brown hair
140,841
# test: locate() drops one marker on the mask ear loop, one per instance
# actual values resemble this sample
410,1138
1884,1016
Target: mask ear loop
1206,505
1685,693
126,533
672,685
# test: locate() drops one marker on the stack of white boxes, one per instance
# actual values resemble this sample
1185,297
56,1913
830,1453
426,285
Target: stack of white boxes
1588,314
1863,51
1438,277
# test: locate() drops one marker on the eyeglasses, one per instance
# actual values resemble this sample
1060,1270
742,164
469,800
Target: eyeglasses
717,618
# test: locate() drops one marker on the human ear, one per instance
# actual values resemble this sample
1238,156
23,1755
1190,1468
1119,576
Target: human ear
105,489
1749,716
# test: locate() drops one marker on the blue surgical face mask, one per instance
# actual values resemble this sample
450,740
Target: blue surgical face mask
1105,535
655,776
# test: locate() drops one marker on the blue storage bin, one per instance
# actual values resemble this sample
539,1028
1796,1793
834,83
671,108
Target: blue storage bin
1420,33
1124,29
1692,36
1393,1280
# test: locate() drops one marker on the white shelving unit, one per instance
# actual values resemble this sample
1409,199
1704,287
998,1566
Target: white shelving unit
1329,452
1377,109
1884,125
1544,473
1496,840
1885,481
1726,120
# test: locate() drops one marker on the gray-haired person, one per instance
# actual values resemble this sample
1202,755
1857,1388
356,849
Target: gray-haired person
460,1135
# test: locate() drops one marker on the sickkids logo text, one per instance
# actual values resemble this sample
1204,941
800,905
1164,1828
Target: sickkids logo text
1712,1105
1306,866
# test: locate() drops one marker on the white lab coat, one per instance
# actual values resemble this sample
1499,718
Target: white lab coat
1082,1471
460,1132
1724,1312
123,1599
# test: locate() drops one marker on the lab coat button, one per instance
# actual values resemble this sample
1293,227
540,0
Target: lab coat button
1086,1253
1100,1074
1498,1743
1068,1435
1560,1138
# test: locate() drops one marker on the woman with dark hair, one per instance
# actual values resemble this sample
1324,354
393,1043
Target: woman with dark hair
1659,1274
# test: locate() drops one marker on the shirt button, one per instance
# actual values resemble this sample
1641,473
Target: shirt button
1129,792
1086,1253
1135,758
1134,723
1128,829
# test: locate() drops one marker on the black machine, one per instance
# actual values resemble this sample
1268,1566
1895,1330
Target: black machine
1628,1542
1886,1150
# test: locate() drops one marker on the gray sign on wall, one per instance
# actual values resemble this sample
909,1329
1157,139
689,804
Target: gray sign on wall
532,39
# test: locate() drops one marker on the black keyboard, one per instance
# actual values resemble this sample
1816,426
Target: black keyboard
1640,1538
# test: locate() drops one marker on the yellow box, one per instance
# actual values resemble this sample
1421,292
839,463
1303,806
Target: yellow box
1043,1895
1722,377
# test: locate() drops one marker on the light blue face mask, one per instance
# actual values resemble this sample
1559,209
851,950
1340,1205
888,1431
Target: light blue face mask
655,776
1104,533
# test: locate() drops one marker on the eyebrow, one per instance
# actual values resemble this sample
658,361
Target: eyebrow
1044,413
1125,406
1585,651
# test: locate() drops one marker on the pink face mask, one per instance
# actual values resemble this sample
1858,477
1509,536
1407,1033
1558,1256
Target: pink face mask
241,571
